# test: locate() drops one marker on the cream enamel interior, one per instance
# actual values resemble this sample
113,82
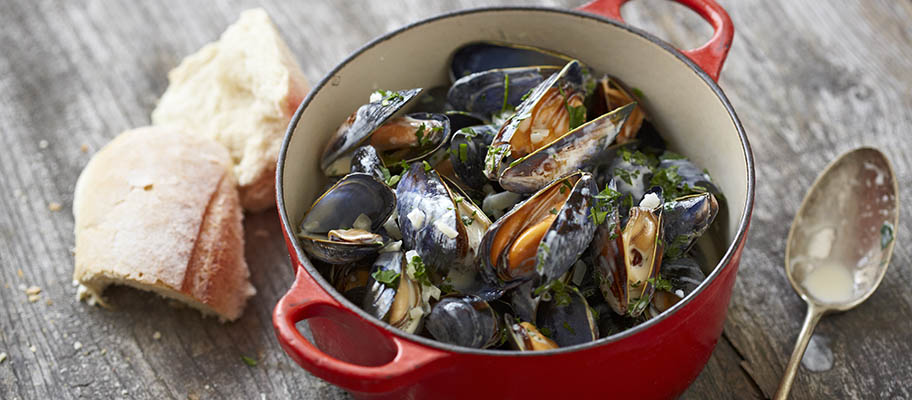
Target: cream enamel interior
693,119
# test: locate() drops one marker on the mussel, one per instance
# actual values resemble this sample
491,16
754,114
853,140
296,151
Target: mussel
496,90
484,56
442,225
686,219
678,278
632,172
406,138
394,294
610,94
548,137
543,236
628,260
467,153
464,321
331,232
565,316
524,336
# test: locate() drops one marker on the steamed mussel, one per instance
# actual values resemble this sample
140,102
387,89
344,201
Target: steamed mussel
588,224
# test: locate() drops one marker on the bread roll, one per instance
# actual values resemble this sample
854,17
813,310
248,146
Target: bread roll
241,91
158,210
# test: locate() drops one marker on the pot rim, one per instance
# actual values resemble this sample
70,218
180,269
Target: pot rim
724,262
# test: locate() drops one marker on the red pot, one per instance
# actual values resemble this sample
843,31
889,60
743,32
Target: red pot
657,359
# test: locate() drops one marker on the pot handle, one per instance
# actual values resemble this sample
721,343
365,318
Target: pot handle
711,55
306,299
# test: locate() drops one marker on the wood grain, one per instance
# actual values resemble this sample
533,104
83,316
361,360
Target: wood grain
809,80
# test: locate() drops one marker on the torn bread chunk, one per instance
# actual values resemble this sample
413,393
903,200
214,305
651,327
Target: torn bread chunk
158,210
240,91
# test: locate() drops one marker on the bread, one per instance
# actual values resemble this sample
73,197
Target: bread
158,210
241,91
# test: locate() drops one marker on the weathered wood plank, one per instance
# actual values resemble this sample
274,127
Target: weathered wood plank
809,80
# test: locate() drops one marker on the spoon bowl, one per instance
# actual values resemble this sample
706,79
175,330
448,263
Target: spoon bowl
841,240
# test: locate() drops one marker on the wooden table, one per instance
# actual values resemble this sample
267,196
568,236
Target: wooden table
809,80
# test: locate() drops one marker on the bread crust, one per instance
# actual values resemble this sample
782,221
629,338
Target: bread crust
157,209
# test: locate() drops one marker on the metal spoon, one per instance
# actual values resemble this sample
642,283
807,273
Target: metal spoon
841,240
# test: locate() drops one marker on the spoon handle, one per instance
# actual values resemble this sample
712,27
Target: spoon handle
810,322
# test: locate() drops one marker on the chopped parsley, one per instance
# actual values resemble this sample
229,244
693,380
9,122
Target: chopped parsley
597,215
420,271
463,152
637,92
427,167
526,96
423,139
637,305
669,180
577,115
560,292
595,313
670,155
390,179
553,211
387,277
676,249
886,235
249,361
470,219
389,96
637,157
626,175
569,328
506,92
545,331
660,283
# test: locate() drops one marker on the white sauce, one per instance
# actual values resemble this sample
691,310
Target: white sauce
830,283
822,243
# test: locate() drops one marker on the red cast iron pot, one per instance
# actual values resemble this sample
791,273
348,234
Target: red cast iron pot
657,359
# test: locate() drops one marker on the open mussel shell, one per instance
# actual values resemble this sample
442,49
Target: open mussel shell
411,138
686,219
524,336
693,178
523,302
541,118
359,126
580,148
496,90
394,299
566,318
627,260
484,56
331,232
467,154
543,236
464,321
610,94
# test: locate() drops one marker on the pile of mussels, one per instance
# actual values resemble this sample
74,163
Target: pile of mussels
594,222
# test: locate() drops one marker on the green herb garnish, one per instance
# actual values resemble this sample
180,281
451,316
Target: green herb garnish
660,283
387,277
249,361
577,115
553,211
569,328
506,92
420,274
669,180
560,292
886,235
463,152
422,138
427,167
637,92
545,331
